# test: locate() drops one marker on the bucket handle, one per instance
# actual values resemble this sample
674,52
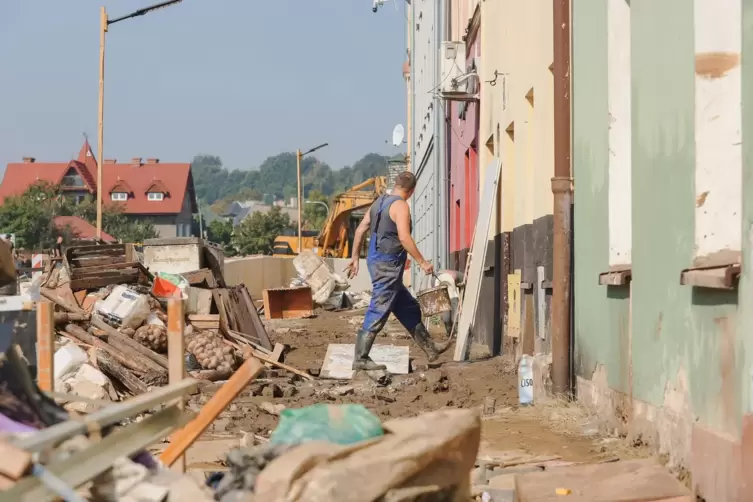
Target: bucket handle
426,276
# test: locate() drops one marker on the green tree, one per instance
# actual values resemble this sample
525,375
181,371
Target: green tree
277,176
256,234
314,212
30,216
220,231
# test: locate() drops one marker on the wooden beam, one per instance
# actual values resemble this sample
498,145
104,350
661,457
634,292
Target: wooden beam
116,336
45,346
176,348
267,359
184,438
111,415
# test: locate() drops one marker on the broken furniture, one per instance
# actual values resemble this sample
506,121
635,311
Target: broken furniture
288,303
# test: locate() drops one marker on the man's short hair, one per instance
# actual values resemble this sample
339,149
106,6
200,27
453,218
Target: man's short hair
405,180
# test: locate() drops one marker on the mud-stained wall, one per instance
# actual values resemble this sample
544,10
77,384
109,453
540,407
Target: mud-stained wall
516,125
665,361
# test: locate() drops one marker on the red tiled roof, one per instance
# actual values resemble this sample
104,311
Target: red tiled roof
176,181
121,186
157,186
81,228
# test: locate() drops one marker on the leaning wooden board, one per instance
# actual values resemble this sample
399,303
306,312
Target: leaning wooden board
478,257
238,313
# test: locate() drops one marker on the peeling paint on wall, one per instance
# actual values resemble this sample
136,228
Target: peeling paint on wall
718,128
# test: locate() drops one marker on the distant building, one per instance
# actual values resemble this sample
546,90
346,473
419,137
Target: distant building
81,229
159,192
238,211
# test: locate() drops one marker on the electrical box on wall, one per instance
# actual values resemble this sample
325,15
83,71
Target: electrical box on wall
456,83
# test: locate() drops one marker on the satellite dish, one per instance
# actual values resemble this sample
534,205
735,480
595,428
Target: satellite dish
397,135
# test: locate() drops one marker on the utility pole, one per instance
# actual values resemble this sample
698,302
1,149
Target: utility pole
298,157
104,24
101,117
299,202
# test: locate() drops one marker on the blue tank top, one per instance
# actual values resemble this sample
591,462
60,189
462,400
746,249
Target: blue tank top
383,229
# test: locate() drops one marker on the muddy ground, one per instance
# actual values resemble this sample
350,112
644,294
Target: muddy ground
555,429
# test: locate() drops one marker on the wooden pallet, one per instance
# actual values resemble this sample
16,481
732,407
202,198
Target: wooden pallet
97,266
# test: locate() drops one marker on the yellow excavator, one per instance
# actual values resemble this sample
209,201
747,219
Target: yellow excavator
336,238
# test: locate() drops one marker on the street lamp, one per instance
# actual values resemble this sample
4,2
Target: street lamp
104,23
298,158
320,203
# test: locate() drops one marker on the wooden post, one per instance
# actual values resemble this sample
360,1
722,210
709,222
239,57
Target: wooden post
176,323
101,116
45,346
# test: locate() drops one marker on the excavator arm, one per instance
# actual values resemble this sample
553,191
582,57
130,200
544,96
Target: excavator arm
335,237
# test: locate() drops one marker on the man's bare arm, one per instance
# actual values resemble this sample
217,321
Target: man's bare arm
363,227
400,213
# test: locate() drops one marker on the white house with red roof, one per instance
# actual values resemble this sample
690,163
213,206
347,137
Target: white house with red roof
160,192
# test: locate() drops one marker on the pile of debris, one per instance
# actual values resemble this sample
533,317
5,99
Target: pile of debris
111,316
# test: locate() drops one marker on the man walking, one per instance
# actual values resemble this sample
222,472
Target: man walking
390,223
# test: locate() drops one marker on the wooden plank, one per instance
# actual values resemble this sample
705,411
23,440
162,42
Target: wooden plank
201,277
14,462
267,359
176,349
118,372
478,258
95,261
57,300
115,335
626,481
129,359
98,457
258,328
105,417
204,317
213,258
93,270
238,313
45,346
98,250
105,279
221,399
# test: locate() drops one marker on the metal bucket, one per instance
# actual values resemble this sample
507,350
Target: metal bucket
434,300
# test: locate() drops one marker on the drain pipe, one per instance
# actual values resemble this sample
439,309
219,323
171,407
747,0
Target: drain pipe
563,196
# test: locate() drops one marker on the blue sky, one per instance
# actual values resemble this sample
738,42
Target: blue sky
242,79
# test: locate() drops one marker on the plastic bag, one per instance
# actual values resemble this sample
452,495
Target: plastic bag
153,318
169,286
339,424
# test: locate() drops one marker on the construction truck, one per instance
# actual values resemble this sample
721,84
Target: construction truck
336,237
287,243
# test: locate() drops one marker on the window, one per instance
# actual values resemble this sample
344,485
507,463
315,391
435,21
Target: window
72,179
155,196
119,196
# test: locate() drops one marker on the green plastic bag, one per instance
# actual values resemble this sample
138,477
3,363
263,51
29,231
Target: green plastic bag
340,424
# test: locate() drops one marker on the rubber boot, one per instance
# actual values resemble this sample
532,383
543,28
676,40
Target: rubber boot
425,343
362,361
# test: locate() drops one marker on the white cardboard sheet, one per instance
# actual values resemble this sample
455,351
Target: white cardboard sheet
338,362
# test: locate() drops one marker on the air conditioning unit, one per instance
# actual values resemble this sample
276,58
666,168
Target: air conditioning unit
454,80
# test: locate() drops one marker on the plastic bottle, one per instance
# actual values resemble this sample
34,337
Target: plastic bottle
525,380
